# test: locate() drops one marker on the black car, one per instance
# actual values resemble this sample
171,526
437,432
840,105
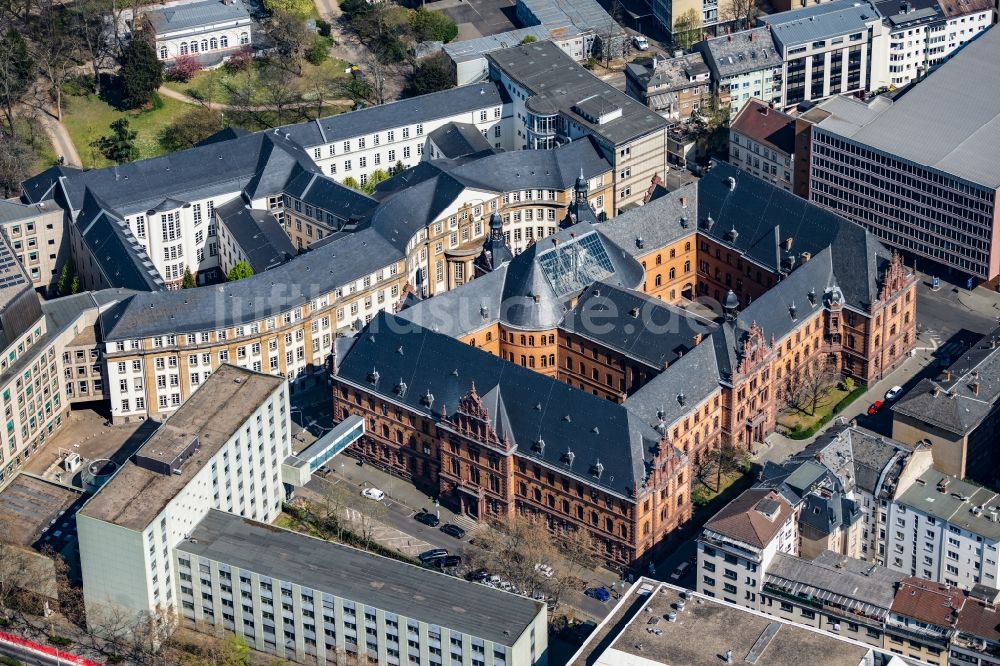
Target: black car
453,530
427,519
477,575
446,561
431,555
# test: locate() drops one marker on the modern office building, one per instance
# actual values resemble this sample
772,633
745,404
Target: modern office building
919,172
35,234
319,602
745,64
833,48
222,450
762,142
958,413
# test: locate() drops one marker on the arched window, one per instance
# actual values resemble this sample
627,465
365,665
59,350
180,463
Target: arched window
687,247
184,48
545,361
244,38
659,280
659,260
163,53
687,266
204,45
213,43
523,340
673,273
224,41
194,47
531,341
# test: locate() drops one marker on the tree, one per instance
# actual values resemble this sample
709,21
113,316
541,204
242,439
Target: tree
280,89
17,163
687,29
743,13
319,51
352,183
805,386
183,68
188,281
529,39
240,271
17,74
240,60
299,9
189,129
141,72
431,75
289,39
726,459
398,167
119,146
378,176
90,28
54,48
429,25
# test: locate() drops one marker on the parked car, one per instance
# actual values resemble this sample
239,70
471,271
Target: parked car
893,393
428,519
478,575
680,570
324,470
373,494
599,593
432,554
453,530
875,408
447,561
544,569
640,43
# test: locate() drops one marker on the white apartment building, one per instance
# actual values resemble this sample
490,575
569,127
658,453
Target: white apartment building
945,529
222,450
744,65
318,602
738,543
925,33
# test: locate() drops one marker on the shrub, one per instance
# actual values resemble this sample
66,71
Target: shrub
529,39
323,27
240,60
60,641
184,68
429,25
319,50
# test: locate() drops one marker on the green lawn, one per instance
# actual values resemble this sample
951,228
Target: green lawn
89,117
220,86
803,420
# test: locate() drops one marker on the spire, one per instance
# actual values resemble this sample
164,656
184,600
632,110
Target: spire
582,189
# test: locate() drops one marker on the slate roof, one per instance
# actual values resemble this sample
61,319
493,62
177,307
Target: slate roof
824,515
797,479
677,391
525,406
459,139
344,203
316,272
767,126
638,326
258,164
410,111
658,223
743,520
261,238
765,217
952,404
190,15
857,456
950,122
740,53
819,22
558,82
350,573
117,253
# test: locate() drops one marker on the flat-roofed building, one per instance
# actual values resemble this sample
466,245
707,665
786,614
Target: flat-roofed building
208,30
35,233
920,172
222,450
335,602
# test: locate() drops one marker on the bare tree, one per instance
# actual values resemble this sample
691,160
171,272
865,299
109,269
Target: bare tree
280,90
807,385
54,49
743,13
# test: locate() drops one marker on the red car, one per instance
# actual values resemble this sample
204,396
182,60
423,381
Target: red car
875,407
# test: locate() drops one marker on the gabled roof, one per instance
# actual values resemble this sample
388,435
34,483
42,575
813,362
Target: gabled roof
459,139
661,221
857,456
767,126
753,518
344,203
117,253
190,15
674,393
545,419
927,601
260,237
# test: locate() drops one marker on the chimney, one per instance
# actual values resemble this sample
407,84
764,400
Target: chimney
947,374
729,38
788,244
684,202
975,388
697,340
751,36
762,110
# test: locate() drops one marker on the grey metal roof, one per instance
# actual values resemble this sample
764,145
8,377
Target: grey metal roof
740,53
260,237
390,585
955,504
196,15
853,584
312,274
552,76
459,139
636,325
568,18
950,122
474,49
525,406
952,404
820,22
13,211
410,111
669,73
857,456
